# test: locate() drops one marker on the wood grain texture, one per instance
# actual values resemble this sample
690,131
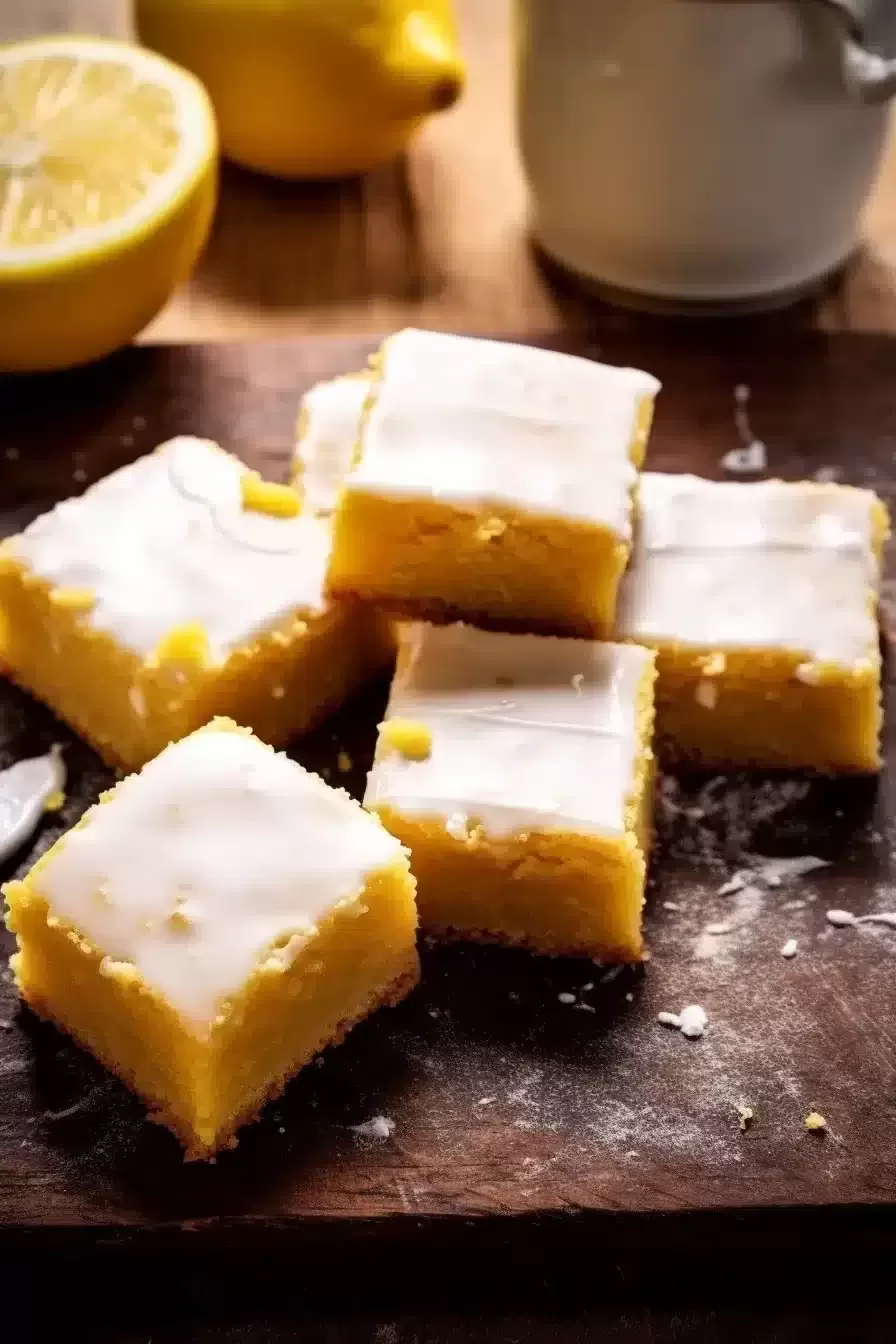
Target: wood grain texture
438,240
513,1111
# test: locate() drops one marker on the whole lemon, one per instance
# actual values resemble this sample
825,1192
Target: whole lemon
312,88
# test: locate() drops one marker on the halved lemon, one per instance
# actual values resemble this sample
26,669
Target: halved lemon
108,173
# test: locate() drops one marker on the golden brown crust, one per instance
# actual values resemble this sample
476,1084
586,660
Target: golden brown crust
437,612
620,956
390,995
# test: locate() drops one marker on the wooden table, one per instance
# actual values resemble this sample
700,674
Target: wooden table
438,241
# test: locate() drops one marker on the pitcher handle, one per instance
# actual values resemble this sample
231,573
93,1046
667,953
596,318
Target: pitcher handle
867,74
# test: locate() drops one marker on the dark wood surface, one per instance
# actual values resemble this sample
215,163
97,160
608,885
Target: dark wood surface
523,1126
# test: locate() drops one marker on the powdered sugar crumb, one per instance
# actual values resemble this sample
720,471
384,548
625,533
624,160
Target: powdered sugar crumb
844,919
691,1021
377,1127
789,950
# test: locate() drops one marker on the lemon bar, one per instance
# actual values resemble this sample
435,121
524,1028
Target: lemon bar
327,437
760,601
211,924
518,771
493,484
180,587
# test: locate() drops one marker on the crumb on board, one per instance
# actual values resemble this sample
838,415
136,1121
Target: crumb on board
706,693
845,919
748,460
692,1021
377,1127
745,1117
490,529
815,1122
789,950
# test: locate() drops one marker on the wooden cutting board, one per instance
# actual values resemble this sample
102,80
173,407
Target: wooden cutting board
509,1105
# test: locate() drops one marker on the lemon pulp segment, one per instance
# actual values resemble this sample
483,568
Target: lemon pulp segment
106,152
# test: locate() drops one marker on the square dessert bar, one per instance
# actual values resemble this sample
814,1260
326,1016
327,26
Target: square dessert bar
327,437
180,587
494,484
518,771
211,924
760,601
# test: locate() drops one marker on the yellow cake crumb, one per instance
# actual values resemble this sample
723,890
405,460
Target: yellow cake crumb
343,762
407,736
179,919
187,644
73,599
54,801
490,529
259,496
706,693
815,1122
714,664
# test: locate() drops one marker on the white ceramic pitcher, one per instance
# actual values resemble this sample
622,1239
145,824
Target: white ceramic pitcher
703,152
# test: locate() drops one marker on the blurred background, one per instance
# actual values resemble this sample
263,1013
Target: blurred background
436,239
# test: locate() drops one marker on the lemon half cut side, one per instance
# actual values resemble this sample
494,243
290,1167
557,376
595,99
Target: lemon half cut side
108,172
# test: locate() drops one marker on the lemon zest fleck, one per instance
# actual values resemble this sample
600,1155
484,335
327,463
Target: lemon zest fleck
412,739
260,496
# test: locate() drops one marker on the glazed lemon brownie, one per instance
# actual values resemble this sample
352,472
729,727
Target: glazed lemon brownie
180,587
213,923
760,600
493,483
518,771
327,436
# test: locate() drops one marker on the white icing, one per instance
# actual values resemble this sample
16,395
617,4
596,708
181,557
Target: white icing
474,422
330,422
24,790
534,755
254,848
726,565
165,542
